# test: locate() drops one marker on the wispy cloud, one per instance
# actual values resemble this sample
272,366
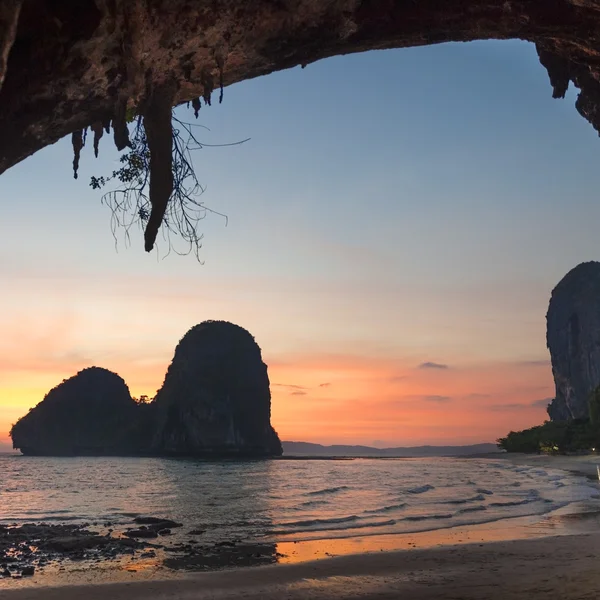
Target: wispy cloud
535,363
435,398
508,407
398,378
290,386
432,365
298,393
513,406
326,384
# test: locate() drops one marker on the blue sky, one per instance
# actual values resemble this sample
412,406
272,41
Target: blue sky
394,206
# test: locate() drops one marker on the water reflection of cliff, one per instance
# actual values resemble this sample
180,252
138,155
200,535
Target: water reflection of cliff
227,502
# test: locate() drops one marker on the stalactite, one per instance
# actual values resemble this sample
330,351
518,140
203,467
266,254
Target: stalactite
98,133
77,141
159,133
196,106
208,83
119,124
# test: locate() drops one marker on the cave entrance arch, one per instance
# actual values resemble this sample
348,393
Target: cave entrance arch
66,66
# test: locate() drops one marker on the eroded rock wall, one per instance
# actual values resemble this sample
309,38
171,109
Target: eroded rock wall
74,63
215,398
573,338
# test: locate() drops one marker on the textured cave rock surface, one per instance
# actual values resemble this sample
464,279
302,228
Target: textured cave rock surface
573,338
215,399
91,413
71,64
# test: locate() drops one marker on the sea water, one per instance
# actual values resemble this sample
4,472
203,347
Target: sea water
285,500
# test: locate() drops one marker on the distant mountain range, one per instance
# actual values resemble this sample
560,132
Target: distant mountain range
307,449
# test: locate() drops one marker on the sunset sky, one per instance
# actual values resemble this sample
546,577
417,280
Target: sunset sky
396,225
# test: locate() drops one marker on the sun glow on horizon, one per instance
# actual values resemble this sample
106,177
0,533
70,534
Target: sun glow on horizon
351,399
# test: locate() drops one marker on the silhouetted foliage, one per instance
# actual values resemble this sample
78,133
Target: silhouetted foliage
558,436
594,407
130,202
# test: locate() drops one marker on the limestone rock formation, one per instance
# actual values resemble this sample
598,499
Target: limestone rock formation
69,65
91,413
215,398
215,401
573,338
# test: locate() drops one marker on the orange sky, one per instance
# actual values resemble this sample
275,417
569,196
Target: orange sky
337,398
367,234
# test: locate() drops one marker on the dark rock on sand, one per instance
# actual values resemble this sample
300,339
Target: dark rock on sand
573,338
215,399
30,546
141,533
88,414
156,522
220,555
76,543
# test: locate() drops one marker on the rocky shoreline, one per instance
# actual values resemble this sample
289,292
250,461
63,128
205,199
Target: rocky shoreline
36,548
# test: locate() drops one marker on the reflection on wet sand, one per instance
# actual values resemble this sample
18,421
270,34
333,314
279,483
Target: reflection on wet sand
507,529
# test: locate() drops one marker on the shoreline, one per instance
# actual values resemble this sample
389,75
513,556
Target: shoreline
555,525
552,530
557,567
584,465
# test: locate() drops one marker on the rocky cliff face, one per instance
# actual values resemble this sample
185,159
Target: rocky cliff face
69,65
573,338
91,413
215,398
215,401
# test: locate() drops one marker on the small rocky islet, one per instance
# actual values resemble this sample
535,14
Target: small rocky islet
215,402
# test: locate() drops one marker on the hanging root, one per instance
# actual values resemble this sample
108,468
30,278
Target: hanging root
159,133
77,141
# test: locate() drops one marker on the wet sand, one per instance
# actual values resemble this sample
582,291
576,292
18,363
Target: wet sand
552,567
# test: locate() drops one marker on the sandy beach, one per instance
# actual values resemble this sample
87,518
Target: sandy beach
554,567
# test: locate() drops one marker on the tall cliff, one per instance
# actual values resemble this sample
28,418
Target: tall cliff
91,413
215,398
573,338
215,401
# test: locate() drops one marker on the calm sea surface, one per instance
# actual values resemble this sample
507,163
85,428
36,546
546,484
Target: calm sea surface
284,500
